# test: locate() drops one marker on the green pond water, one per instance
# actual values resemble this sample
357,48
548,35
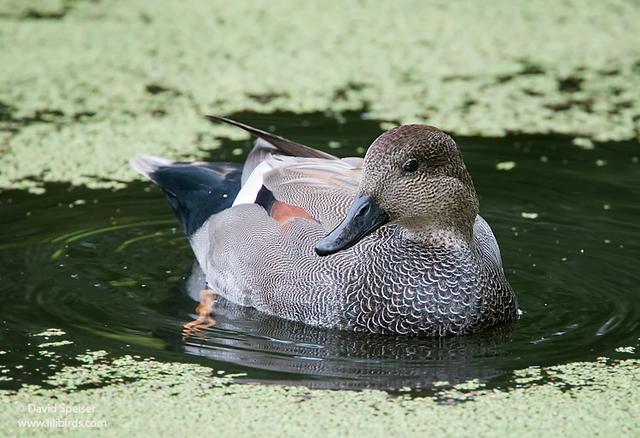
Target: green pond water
113,270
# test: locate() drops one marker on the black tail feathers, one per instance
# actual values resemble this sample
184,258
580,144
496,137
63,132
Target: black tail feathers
195,191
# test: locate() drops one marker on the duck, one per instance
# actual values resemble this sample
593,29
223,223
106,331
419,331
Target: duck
392,243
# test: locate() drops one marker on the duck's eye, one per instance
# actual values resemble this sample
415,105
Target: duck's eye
410,165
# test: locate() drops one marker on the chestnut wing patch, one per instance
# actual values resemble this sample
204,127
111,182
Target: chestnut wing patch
279,210
283,212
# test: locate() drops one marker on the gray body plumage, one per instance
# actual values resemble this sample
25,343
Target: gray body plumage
388,282
384,284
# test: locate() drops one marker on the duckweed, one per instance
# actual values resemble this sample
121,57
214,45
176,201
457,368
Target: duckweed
168,398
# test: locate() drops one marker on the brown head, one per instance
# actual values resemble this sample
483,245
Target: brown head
413,175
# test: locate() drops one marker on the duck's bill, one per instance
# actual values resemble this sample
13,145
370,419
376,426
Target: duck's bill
363,218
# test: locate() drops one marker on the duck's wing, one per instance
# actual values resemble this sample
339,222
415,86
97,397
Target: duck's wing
324,189
290,179
311,188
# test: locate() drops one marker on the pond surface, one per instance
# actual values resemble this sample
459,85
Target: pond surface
113,270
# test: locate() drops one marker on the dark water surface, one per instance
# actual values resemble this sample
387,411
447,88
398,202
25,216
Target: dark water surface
110,268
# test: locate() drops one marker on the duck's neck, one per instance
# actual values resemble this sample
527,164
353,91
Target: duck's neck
454,236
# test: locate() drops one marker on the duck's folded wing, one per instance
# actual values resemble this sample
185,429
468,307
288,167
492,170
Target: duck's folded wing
292,180
322,188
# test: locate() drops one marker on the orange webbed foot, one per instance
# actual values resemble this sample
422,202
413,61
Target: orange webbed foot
205,318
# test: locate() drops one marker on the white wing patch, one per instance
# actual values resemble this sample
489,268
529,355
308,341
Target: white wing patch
250,189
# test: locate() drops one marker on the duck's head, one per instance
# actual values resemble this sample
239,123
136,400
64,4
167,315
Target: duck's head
414,176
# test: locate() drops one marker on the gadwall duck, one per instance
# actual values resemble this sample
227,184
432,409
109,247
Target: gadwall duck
392,243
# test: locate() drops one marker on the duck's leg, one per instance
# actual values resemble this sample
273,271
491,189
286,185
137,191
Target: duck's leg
205,315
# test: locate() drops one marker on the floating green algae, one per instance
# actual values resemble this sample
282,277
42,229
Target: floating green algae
54,344
86,84
169,398
50,332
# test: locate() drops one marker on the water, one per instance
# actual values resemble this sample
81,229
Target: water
112,269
